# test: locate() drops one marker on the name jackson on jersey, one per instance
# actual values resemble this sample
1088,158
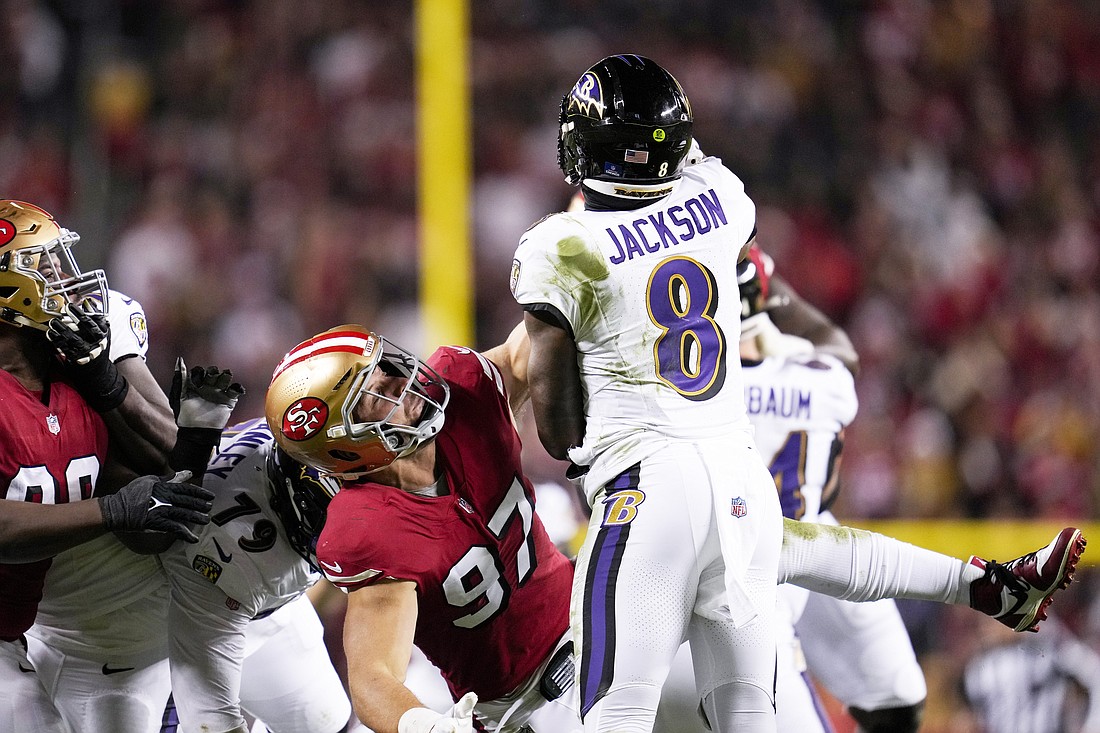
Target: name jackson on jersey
697,215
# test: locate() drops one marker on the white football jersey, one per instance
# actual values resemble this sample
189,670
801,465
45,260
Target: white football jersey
798,406
94,580
86,587
652,300
129,331
243,550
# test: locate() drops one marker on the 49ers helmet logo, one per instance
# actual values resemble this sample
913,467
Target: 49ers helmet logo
304,418
7,232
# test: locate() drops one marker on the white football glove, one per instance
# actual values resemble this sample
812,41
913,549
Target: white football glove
459,719
203,397
770,340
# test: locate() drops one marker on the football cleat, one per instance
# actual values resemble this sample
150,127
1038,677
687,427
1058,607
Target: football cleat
1017,593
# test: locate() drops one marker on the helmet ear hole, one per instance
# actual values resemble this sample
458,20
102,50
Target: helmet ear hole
343,455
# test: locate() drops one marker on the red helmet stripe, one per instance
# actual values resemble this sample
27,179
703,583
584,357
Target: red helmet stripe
348,342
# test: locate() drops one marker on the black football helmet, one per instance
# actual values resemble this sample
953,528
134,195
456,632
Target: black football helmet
627,121
300,496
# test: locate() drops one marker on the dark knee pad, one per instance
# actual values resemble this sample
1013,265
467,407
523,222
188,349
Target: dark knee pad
889,720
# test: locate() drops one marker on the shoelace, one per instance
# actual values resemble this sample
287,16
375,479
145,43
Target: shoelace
1004,575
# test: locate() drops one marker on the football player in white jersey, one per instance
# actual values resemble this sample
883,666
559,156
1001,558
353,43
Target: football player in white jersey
800,406
631,378
629,310
99,638
242,635
103,640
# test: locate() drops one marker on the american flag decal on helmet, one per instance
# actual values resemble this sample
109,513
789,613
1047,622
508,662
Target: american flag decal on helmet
738,507
636,156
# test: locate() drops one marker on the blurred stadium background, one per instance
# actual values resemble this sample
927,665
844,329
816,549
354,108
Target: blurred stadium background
927,172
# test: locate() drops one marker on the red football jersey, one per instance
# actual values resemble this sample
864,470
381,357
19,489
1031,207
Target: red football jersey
493,590
49,454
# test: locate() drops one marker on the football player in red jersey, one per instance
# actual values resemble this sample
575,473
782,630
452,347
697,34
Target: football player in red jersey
53,450
434,536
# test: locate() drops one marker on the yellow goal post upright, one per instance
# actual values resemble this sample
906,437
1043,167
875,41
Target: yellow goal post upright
444,169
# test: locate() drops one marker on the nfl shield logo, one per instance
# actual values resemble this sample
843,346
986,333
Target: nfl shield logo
53,423
738,507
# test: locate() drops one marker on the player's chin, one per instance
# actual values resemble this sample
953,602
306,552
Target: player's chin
147,542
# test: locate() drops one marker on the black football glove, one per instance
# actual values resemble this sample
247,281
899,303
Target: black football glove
83,340
158,504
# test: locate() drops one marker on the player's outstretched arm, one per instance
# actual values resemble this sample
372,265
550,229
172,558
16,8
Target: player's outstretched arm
794,315
378,638
30,532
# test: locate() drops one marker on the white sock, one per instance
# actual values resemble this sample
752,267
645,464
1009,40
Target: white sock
857,565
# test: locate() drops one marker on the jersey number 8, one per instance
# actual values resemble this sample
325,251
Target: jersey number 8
690,353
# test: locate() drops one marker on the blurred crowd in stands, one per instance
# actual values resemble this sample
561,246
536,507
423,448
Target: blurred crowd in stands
927,172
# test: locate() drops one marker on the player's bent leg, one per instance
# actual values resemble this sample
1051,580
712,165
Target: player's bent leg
735,657
288,681
735,666
746,706
735,670
24,703
679,709
861,652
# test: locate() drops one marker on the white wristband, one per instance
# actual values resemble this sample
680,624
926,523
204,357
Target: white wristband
417,720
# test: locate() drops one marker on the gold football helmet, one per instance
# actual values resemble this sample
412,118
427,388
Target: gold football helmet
39,278
316,388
